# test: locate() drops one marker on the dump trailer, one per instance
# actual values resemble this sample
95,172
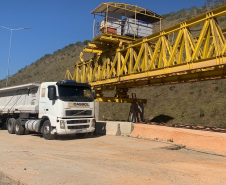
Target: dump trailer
50,108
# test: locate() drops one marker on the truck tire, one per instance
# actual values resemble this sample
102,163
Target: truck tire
11,125
19,129
46,131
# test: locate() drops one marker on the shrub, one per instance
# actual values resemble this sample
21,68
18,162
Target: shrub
85,42
79,43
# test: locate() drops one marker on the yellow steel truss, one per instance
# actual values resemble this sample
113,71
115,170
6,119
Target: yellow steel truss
120,62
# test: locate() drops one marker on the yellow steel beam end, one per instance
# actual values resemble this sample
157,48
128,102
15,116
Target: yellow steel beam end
120,100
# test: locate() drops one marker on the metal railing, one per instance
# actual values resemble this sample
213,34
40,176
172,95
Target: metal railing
127,27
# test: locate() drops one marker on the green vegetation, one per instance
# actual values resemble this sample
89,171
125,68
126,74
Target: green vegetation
205,107
173,18
209,5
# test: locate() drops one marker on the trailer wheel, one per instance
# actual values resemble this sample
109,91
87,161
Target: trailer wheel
46,131
11,125
19,129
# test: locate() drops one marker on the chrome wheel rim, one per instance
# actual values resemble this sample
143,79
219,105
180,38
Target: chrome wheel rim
46,130
17,127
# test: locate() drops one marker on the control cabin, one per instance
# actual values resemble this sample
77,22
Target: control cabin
123,19
118,22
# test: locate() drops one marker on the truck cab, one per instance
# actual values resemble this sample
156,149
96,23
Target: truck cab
68,105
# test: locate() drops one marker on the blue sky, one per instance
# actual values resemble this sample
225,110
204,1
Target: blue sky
55,24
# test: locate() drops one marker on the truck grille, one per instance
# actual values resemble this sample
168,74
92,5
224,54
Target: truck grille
78,127
78,112
77,121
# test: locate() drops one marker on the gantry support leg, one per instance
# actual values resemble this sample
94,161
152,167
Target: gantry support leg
136,110
99,93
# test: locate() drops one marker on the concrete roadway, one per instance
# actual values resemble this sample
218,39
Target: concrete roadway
104,160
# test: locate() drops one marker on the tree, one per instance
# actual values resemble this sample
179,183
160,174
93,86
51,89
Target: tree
204,6
193,8
188,9
85,42
181,12
219,2
198,11
209,2
68,46
172,13
165,15
79,43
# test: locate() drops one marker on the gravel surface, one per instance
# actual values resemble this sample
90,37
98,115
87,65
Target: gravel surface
104,160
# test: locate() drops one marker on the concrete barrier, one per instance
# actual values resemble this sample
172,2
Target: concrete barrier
114,128
97,110
196,139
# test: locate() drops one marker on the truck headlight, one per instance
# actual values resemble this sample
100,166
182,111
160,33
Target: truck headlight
62,124
93,123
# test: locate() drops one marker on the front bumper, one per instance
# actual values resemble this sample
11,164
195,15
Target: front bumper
73,126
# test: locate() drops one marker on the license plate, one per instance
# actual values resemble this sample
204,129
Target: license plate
78,130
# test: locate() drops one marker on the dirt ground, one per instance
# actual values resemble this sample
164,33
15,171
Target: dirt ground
103,160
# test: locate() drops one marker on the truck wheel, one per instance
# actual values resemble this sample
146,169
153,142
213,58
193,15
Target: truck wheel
19,129
46,131
81,135
11,125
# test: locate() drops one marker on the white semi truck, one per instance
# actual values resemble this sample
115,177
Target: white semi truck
50,108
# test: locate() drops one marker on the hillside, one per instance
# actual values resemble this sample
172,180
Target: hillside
174,18
51,67
199,103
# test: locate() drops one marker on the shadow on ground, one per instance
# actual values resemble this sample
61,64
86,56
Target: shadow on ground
69,137
161,119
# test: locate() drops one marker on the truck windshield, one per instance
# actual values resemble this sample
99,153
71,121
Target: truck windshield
74,93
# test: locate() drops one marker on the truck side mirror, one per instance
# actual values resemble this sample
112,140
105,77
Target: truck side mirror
94,94
52,93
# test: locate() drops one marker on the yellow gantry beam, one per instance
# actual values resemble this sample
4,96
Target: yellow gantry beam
120,100
157,58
